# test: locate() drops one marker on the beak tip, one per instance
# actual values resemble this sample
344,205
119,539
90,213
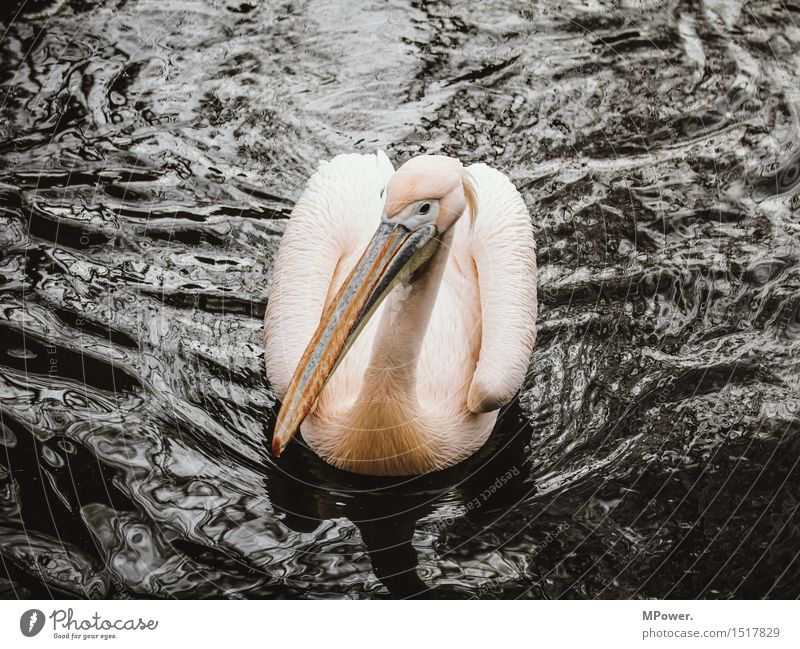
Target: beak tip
277,446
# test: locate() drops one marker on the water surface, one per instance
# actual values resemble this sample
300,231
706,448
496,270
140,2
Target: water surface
150,154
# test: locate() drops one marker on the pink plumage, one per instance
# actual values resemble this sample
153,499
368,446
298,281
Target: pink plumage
421,384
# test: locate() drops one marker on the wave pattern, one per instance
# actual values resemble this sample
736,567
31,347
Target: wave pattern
150,158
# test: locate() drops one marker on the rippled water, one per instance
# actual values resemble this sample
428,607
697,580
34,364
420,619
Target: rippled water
150,158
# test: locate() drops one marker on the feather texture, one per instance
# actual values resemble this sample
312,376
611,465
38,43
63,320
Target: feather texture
335,215
504,251
420,387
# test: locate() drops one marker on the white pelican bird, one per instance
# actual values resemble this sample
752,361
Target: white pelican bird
402,312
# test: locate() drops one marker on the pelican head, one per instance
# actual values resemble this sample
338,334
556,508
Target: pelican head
429,190
423,199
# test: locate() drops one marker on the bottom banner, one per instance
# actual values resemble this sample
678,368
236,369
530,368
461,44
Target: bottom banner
334,624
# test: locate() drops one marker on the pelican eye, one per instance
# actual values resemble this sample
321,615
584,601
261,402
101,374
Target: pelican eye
424,208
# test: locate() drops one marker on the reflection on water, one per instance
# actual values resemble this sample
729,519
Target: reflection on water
150,157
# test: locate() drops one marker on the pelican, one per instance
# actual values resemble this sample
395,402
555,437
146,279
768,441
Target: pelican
402,312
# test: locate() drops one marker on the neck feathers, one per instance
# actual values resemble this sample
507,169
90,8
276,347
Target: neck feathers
384,434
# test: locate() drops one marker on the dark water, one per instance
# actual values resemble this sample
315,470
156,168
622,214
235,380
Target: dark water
150,153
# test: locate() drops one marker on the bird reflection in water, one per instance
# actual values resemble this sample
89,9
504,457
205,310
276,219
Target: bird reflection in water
387,511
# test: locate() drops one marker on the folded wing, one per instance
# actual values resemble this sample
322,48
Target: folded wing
338,207
504,253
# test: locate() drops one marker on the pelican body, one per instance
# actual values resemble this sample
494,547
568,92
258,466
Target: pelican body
402,312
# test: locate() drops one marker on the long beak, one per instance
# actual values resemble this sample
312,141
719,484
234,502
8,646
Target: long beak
393,255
